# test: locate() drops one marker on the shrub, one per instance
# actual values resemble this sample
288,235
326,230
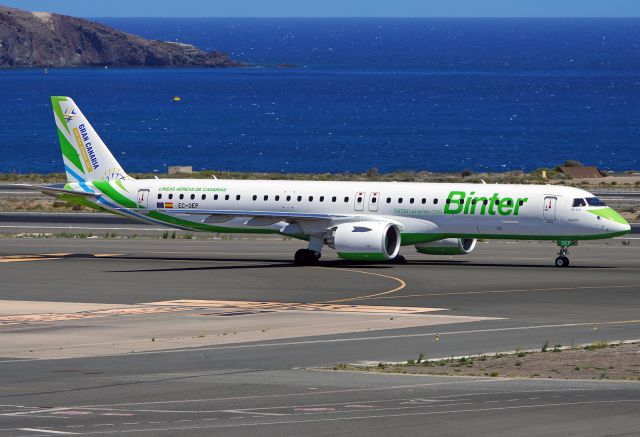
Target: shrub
545,346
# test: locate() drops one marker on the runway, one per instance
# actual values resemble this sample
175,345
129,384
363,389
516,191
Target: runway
200,336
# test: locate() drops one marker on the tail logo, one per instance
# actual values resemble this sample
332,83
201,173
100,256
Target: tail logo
84,145
69,113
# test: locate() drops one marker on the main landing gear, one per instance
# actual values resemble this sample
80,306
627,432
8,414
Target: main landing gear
562,260
310,256
306,257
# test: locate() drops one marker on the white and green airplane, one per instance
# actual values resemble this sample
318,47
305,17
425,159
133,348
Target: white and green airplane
362,221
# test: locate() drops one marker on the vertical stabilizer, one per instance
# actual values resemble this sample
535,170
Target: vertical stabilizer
86,157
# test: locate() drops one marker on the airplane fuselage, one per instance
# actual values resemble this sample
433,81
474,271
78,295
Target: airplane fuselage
425,211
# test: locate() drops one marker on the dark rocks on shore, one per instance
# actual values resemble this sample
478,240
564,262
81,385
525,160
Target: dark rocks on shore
42,39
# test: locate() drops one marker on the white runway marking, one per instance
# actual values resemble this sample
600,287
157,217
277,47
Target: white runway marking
369,417
47,431
87,228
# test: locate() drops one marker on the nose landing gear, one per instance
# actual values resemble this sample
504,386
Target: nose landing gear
562,260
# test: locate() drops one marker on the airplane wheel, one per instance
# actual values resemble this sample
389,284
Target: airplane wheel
399,259
306,257
562,261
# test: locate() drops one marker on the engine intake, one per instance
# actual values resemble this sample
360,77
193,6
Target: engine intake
448,246
365,241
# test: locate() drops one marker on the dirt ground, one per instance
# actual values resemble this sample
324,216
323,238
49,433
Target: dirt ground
596,361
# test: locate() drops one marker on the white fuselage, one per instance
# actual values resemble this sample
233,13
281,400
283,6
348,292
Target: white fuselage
308,207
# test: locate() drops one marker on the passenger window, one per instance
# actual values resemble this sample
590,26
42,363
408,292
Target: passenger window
255,197
359,199
277,198
204,196
215,197
310,198
400,200
171,196
193,196
448,201
181,196
521,202
226,197
509,202
159,195
485,202
497,201
266,197
321,199
288,198
424,200
578,203
411,200
388,199
238,197
435,201
333,199
346,199
299,198
374,200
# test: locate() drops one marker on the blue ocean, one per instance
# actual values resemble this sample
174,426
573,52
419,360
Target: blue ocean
395,94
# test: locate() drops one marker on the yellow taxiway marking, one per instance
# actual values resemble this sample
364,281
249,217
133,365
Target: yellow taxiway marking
24,258
368,296
234,305
48,256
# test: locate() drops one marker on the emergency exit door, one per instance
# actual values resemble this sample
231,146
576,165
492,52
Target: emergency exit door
549,211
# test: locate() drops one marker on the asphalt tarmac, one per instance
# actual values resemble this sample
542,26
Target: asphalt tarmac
507,296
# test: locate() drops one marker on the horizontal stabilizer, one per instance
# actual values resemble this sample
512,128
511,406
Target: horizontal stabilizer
57,190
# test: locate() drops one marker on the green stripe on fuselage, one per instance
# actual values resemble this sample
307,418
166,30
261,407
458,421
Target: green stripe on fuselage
113,194
362,256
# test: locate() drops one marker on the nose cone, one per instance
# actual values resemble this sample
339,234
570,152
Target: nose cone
619,225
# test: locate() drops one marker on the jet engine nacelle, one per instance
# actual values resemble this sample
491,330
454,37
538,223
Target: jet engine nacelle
448,246
365,241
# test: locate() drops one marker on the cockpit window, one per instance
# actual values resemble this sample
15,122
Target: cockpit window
579,202
594,201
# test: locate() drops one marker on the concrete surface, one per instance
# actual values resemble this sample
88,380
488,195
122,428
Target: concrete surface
270,386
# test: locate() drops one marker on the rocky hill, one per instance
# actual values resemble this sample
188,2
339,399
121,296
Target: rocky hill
42,39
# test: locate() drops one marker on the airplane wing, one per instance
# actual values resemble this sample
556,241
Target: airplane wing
265,218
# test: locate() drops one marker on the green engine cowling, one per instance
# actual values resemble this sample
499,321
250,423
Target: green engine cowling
448,246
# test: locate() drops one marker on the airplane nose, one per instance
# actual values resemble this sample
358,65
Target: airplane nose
616,223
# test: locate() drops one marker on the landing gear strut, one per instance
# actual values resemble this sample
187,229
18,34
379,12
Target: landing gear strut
562,260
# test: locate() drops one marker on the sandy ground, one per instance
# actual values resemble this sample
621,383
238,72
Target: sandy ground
65,329
600,360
